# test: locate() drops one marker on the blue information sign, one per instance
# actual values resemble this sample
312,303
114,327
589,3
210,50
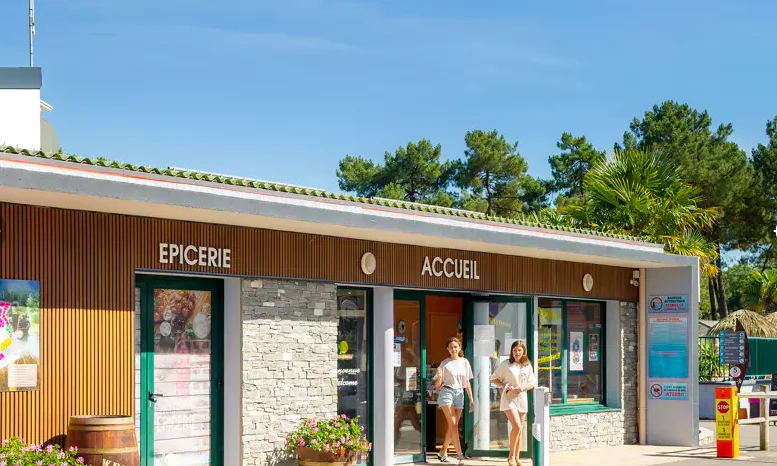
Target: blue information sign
668,304
668,347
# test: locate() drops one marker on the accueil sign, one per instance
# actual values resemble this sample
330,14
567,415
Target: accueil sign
194,255
451,268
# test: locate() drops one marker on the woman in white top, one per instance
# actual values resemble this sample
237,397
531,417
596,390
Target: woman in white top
451,379
515,377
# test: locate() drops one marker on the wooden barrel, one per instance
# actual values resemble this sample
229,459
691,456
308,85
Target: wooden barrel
104,440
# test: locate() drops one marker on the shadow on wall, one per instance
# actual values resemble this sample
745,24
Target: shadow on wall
57,440
280,457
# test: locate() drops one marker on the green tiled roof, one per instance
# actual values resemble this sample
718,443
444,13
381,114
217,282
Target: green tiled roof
284,188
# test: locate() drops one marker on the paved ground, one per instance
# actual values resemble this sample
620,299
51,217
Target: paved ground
651,455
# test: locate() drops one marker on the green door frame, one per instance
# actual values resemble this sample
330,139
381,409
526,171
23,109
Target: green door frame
420,297
469,353
147,284
370,365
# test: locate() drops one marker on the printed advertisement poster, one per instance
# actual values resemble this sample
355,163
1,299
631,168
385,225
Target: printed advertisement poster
575,351
411,379
668,391
672,304
593,347
19,335
668,347
397,355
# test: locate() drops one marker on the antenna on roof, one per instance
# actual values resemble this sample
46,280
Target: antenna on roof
256,180
32,27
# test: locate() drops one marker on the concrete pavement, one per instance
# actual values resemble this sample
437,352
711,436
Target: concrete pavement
635,455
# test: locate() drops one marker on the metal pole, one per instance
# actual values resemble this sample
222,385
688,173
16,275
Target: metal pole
763,404
32,28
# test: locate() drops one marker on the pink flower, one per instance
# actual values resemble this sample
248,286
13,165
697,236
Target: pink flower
39,463
314,442
61,455
326,448
49,448
81,459
301,443
73,448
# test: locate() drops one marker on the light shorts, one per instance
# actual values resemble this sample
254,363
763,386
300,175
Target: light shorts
451,397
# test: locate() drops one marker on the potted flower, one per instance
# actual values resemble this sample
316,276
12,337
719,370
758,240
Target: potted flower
15,451
337,440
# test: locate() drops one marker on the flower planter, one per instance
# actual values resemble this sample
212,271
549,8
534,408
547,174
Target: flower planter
309,457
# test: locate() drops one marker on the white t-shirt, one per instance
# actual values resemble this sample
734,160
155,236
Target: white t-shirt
454,373
517,376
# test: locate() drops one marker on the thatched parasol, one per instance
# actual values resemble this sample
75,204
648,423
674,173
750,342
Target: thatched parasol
754,323
772,317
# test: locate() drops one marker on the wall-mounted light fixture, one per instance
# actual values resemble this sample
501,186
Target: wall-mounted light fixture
634,278
368,263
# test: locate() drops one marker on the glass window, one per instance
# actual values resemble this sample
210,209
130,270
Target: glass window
584,327
571,350
353,355
508,322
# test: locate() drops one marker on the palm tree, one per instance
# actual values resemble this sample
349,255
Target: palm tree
638,192
761,292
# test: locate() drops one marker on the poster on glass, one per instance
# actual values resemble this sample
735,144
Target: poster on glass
19,335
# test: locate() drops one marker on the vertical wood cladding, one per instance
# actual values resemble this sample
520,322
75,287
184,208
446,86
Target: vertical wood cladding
85,263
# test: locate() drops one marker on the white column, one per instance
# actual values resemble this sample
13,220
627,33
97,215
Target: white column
482,366
541,428
383,417
233,383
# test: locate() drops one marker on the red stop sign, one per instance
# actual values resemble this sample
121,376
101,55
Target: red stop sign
723,407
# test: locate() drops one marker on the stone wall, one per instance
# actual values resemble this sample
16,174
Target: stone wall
593,430
289,363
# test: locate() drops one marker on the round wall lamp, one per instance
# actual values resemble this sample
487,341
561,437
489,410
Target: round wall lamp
588,282
368,263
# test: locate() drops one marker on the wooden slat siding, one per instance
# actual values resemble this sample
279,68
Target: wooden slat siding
86,261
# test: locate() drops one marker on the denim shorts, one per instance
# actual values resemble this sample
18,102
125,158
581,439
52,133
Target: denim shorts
451,397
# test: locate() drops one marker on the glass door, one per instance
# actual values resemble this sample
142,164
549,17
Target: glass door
181,390
493,324
409,380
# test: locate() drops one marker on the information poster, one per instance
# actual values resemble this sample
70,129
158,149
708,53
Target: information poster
668,347
485,340
19,335
593,347
576,352
397,355
411,379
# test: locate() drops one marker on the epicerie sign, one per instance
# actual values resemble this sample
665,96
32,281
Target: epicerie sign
194,255
458,268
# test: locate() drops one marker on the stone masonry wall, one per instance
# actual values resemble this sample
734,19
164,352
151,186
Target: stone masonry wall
289,363
593,430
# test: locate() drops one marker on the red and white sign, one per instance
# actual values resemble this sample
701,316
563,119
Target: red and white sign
723,407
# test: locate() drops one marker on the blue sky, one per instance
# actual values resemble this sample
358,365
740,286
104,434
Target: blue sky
282,89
